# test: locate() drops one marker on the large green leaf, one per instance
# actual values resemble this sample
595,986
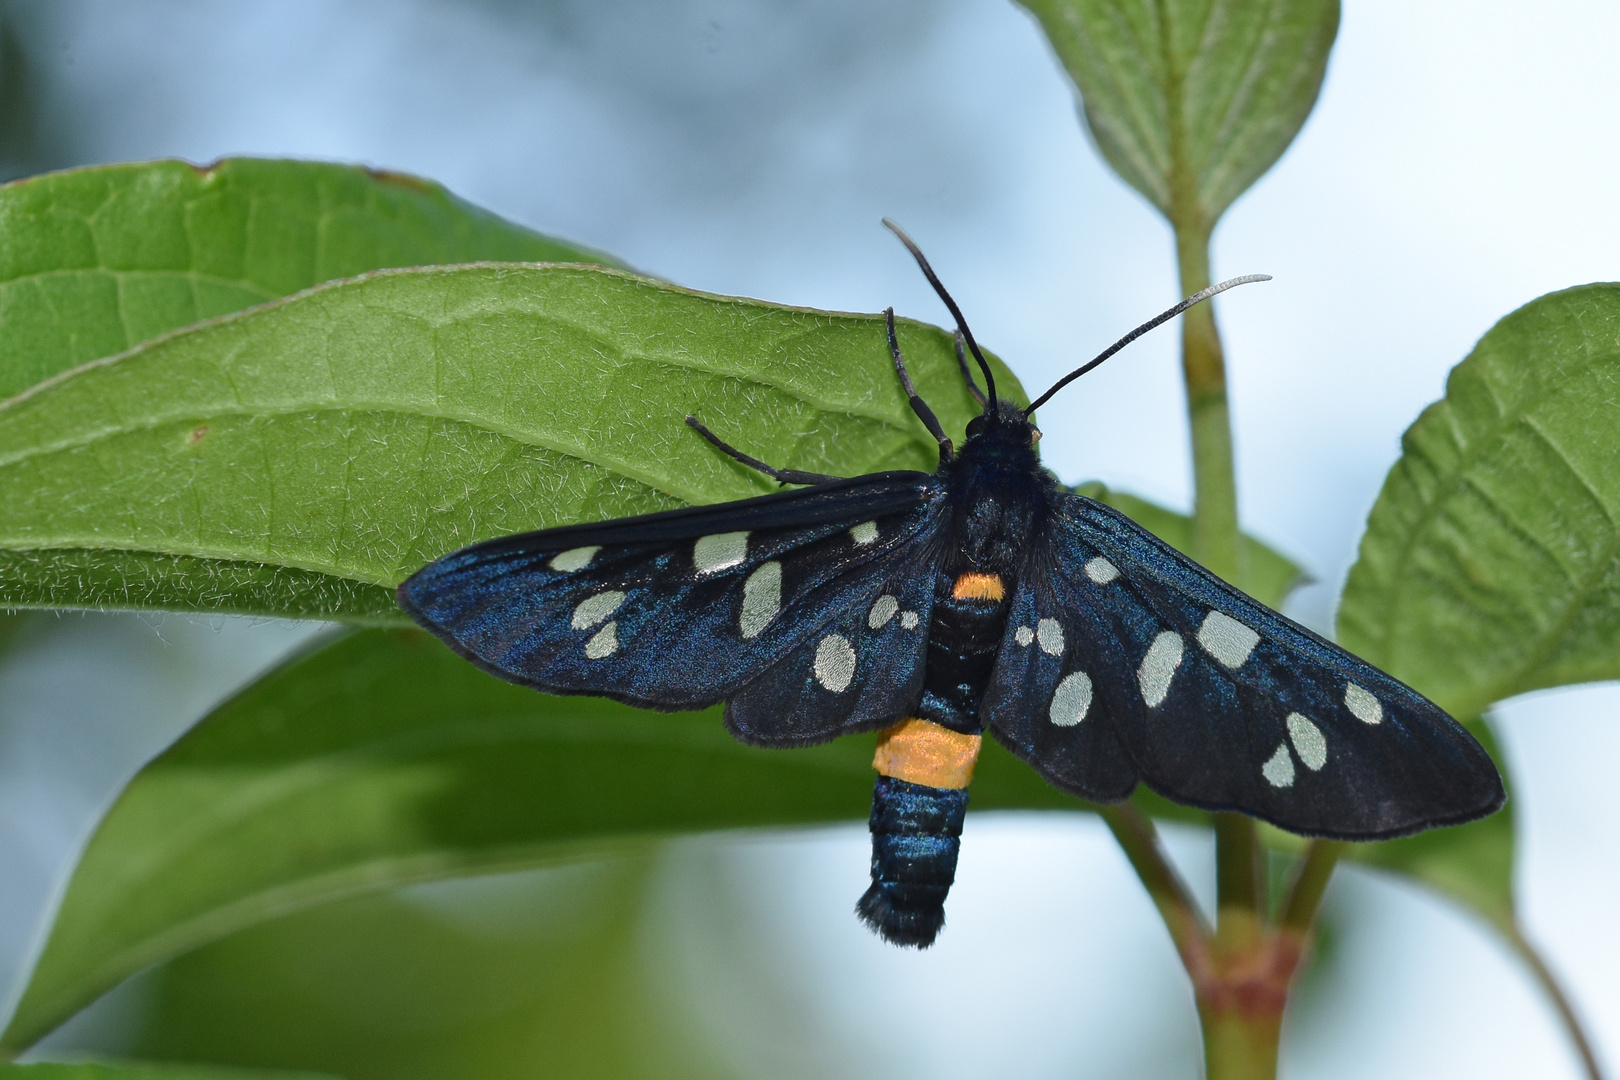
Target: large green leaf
1491,561
302,457
94,261
1191,101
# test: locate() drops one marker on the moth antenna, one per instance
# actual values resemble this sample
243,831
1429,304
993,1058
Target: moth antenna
918,405
956,312
967,372
1162,317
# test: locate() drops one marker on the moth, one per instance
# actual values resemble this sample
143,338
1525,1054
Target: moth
931,606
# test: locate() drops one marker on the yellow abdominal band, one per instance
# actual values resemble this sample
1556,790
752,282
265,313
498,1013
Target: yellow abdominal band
923,752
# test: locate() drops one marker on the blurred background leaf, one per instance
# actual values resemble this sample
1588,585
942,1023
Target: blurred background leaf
109,1071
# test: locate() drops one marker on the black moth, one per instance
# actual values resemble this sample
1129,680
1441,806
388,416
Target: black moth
934,605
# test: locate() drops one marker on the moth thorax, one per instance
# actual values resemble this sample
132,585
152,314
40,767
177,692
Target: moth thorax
922,752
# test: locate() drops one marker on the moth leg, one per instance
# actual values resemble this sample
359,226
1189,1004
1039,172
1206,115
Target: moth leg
918,405
967,372
781,476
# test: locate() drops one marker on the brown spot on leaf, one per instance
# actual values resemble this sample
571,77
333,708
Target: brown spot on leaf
400,179
198,434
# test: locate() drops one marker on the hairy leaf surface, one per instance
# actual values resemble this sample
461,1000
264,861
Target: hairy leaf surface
301,458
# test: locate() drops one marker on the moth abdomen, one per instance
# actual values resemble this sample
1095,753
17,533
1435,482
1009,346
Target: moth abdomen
916,834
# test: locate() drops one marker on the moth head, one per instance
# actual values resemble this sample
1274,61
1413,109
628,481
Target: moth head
1004,422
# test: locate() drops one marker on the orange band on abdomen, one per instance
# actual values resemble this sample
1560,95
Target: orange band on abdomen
923,752
972,586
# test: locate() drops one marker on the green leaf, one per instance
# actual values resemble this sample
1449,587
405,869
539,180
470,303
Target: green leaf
1491,561
94,261
129,1071
557,973
382,758
1268,575
301,458
1191,101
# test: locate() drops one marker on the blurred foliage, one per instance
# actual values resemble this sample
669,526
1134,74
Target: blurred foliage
531,975
109,1071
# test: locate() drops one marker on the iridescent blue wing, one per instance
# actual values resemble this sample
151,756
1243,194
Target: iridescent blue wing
772,603
1124,657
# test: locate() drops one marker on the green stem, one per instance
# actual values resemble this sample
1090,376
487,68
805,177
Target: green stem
1240,866
1203,367
1139,839
1310,882
1555,993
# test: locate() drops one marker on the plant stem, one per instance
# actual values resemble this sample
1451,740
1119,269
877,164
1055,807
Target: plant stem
1550,985
1203,368
1311,878
1139,839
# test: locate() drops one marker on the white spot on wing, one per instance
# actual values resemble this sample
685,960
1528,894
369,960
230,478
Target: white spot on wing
719,551
1101,570
835,662
1226,639
593,609
882,612
1308,741
1279,771
762,599
1024,635
604,643
574,559
1159,667
864,533
1362,705
1072,700
909,620
1050,634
